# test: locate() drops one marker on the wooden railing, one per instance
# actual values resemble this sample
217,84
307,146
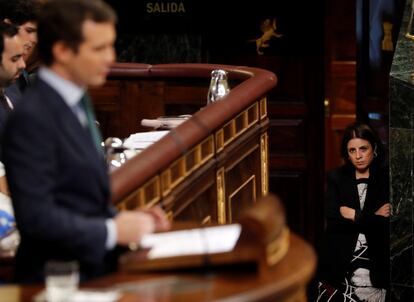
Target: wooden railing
210,167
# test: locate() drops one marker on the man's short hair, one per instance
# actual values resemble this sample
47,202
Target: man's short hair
6,30
62,20
19,11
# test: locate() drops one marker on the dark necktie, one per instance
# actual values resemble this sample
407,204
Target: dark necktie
4,103
90,117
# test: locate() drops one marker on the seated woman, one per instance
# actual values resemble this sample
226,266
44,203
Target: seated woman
354,261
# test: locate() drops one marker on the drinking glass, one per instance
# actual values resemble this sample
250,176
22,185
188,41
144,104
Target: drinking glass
62,280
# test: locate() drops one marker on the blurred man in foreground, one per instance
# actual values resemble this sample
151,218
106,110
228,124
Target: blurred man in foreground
56,169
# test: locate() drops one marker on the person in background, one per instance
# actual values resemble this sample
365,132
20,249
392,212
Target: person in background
22,13
354,261
18,30
11,67
55,166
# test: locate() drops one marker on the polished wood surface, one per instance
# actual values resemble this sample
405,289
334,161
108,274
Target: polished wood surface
263,242
286,281
209,168
295,115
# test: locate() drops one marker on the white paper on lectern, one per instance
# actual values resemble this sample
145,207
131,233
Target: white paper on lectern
84,296
209,240
142,140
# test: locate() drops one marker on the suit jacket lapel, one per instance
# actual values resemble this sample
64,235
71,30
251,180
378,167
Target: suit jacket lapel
13,93
72,129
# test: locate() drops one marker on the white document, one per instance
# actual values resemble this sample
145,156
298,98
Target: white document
209,240
95,296
84,296
142,140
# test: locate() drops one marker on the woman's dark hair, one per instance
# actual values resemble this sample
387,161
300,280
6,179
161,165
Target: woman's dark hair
362,131
62,20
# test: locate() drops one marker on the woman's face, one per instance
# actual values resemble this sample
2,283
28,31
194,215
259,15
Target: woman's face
360,153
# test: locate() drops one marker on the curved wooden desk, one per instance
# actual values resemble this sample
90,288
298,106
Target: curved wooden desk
286,281
209,168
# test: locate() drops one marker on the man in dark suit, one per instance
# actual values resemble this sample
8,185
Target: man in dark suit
11,66
11,62
55,167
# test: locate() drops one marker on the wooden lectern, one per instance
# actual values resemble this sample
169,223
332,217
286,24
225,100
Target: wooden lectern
264,240
210,168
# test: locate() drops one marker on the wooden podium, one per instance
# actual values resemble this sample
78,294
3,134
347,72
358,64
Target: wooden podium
282,266
210,168
263,242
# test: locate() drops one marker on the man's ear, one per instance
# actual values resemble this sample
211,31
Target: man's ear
61,52
7,20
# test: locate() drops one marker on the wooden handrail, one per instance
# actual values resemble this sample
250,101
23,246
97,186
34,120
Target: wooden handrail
255,83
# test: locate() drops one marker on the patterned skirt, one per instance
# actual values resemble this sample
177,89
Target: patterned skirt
357,286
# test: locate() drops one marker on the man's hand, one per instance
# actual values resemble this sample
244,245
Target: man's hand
161,221
132,225
347,213
385,210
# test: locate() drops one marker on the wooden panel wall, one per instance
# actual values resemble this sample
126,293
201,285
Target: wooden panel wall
296,144
166,98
